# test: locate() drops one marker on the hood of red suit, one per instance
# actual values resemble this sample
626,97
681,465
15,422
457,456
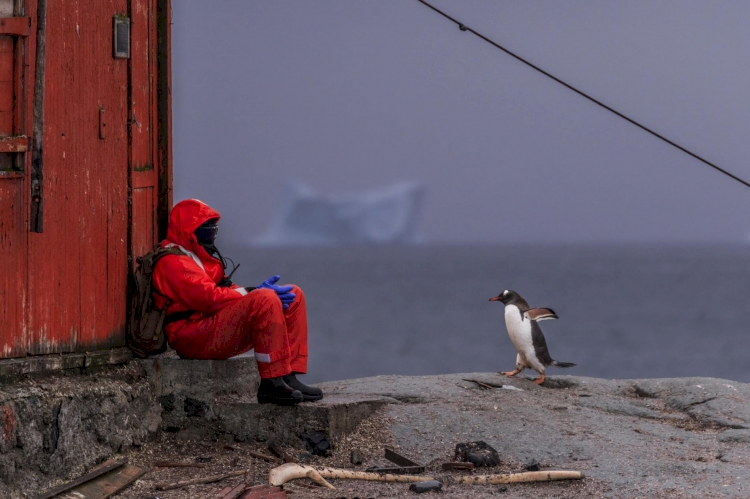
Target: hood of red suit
186,216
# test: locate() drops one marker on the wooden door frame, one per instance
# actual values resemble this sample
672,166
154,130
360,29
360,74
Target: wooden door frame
161,125
164,114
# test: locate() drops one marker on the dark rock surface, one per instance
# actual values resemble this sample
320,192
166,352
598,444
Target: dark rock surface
662,438
62,425
684,437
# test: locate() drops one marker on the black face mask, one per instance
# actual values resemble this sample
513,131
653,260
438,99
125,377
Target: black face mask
206,233
206,236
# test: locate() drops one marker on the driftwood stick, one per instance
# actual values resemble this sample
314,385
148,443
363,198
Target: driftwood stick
265,457
531,476
315,477
197,481
177,464
292,471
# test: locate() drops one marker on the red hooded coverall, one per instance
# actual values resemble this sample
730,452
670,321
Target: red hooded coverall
227,320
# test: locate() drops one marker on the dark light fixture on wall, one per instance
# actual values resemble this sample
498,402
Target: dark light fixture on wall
121,37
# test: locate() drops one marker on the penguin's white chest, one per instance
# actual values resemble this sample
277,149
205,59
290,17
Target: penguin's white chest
519,330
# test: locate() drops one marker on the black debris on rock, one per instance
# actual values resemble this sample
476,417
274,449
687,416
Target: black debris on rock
317,443
480,453
195,408
532,465
167,402
428,486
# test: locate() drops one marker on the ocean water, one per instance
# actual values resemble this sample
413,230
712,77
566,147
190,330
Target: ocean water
625,312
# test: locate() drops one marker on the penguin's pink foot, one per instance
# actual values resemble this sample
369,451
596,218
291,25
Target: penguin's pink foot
539,380
510,374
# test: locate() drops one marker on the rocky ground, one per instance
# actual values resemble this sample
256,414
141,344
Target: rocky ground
663,438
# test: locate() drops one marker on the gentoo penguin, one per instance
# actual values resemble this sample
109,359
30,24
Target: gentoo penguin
526,335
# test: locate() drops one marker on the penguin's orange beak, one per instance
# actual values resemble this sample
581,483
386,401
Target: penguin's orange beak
496,298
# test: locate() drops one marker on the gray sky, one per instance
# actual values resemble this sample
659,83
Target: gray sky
347,95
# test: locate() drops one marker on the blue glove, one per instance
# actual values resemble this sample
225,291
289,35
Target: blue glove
283,292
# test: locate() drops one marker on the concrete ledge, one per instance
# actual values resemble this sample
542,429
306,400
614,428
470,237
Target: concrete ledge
190,391
216,399
202,378
336,416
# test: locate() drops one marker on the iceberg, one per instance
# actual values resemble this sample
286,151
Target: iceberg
378,217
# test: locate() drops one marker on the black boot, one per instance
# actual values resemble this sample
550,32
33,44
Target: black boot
276,391
309,393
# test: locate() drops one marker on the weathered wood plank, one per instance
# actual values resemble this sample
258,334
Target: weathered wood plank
15,26
12,267
232,492
109,484
103,468
143,170
78,276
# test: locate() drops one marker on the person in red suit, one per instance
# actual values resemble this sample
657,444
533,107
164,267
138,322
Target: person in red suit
209,317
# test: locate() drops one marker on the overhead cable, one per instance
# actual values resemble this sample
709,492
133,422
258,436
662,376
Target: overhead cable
463,27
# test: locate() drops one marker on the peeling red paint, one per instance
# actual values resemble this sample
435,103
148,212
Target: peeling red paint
9,422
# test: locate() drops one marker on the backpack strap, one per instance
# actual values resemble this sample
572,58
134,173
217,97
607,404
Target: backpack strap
159,253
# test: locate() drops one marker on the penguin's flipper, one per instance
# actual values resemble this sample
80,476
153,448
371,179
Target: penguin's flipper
540,314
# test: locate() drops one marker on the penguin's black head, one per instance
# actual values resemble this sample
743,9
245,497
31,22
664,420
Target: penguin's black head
506,296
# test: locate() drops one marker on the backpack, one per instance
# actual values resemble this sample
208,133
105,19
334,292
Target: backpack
146,322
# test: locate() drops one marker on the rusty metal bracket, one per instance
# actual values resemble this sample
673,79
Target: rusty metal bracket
458,466
134,121
405,465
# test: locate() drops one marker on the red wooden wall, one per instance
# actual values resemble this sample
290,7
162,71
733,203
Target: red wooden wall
13,193
106,173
